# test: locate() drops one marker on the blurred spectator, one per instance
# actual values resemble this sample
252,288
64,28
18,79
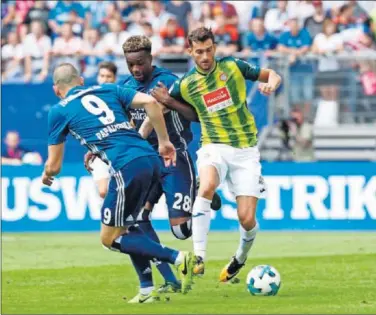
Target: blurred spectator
97,11
107,72
66,12
301,9
156,41
345,19
112,13
226,36
38,12
296,43
326,44
276,19
314,24
173,37
157,15
114,40
206,18
92,50
359,13
302,132
11,57
246,10
12,153
225,9
67,46
183,12
37,46
258,39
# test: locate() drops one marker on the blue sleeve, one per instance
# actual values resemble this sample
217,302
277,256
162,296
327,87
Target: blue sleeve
57,127
125,96
306,38
80,10
52,14
168,80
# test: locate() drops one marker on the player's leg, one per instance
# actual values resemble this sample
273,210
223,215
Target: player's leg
179,186
143,220
212,170
245,181
125,197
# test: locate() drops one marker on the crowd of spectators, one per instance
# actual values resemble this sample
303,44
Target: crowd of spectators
38,34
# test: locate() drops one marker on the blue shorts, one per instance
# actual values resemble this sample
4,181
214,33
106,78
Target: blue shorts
179,186
128,190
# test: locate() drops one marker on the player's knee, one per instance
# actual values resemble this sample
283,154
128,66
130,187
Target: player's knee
207,189
107,240
248,220
182,231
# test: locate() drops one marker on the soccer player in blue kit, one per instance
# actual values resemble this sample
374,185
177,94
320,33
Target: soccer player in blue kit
178,183
96,116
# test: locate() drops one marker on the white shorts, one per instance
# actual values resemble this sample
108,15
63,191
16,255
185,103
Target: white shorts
100,169
239,168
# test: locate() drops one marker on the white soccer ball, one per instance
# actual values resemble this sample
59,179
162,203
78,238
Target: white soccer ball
263,280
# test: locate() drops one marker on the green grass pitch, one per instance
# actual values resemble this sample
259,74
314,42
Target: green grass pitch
321,273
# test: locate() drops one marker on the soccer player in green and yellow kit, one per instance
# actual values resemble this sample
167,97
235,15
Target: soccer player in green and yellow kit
215,89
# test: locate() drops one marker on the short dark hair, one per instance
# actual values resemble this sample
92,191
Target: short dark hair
200,34
110,66
137,43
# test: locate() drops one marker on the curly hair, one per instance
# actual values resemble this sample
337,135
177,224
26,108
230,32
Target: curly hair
136,44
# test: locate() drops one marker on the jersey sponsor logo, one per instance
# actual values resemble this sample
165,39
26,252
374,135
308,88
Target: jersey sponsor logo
217,100
138,114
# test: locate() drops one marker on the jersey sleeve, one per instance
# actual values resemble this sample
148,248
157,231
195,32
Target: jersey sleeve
249,71
125,96
175,91
57,127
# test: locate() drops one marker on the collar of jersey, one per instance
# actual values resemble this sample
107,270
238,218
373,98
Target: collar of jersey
206,73
74,90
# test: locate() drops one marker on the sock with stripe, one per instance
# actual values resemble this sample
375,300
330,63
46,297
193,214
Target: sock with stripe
137,242
201,225
163,267
144,272
246,241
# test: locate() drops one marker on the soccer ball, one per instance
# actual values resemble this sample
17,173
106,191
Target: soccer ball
263,280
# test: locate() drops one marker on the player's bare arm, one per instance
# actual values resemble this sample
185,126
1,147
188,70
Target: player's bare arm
270,81
155,113
53,163
160,92
146,128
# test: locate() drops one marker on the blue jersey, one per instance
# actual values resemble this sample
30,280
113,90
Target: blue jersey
177,126
96,116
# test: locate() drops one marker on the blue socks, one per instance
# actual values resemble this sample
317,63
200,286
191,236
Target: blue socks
143,269
163,267
137,242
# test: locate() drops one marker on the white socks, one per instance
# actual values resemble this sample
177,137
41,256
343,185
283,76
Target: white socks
246,242
201,217
146,291
180,259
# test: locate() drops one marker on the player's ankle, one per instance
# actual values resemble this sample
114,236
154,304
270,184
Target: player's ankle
179,258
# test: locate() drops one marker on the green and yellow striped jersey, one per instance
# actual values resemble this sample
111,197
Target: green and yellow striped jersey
219,98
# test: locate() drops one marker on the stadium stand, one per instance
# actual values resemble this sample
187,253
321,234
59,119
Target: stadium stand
325,51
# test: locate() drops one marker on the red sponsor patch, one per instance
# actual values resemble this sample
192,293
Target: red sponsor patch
218,96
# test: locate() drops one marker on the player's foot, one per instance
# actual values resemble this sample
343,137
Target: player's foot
145,298
199,267
216,203
186,270
231,270
170,287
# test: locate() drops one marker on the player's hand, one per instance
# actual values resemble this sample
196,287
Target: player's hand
168,152
266,89
88,159
160,93
47,180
